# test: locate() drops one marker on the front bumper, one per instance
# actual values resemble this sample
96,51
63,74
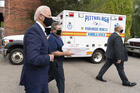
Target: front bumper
3,51
133,49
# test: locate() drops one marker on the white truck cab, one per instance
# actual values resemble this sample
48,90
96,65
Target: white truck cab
13,45
133,45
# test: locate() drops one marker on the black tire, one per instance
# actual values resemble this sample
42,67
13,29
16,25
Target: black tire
130,53
16,56
95,57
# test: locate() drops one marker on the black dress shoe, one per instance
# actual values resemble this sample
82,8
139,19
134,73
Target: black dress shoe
101,79
129,84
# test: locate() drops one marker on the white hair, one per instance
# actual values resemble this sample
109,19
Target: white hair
39,10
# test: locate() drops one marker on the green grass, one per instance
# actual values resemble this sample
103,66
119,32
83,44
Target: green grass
2,24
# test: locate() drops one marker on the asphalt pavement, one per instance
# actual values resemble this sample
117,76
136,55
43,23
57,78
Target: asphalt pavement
80,77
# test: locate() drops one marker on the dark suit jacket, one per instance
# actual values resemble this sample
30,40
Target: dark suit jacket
36,58
56,44
115,48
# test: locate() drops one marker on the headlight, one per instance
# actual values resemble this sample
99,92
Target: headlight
6,41
127,43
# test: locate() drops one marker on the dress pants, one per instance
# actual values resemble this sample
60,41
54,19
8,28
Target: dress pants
57,72
120,69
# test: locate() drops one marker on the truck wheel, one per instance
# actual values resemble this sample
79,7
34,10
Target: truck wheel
16,56
97,57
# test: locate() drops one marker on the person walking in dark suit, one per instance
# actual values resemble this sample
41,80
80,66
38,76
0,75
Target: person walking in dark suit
115,54
55,47
36,56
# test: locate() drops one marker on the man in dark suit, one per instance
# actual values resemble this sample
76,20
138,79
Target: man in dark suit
116,54
36,56
56,70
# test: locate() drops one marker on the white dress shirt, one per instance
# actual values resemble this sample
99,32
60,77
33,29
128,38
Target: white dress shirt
42,27
118,33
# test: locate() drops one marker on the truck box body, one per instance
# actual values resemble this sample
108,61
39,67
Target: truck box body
85,32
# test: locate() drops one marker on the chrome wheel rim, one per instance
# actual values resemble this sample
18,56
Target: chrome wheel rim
17,57
97,57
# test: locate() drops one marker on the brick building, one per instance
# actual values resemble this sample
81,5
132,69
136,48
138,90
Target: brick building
17,15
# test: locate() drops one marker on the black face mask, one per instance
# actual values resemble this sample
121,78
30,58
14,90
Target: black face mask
121,31
58,32
48,21
48,31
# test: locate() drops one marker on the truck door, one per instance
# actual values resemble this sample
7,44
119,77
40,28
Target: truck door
118,20
68,28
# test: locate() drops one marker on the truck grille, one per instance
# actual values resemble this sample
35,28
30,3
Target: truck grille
135,44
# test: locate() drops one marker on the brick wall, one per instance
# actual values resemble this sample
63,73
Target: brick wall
17,16
1,10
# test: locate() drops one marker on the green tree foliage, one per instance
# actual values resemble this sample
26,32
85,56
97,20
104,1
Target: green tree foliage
58,6
124,7
135,31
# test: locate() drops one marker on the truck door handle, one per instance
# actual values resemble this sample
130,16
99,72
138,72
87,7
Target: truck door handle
105,45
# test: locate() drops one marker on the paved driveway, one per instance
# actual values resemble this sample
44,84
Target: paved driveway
80,77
